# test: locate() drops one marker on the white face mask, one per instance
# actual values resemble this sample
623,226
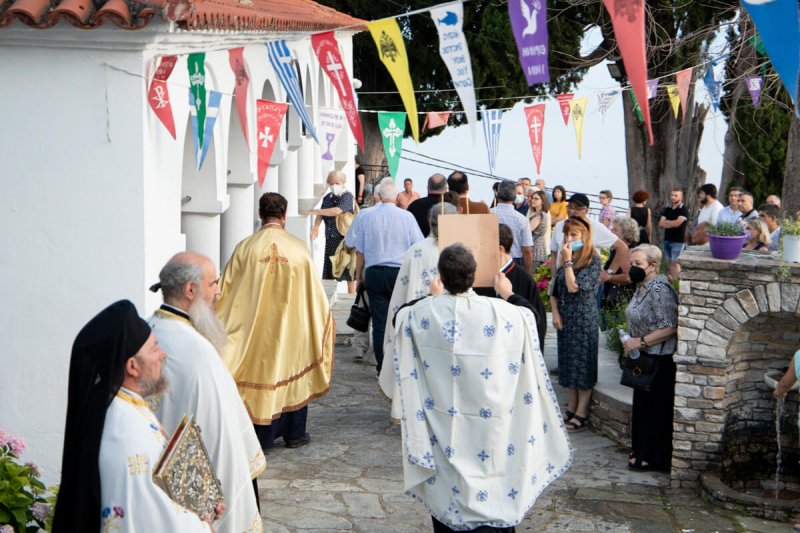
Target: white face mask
337,189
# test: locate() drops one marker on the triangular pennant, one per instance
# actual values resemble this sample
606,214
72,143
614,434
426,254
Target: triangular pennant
713,87
327,50
529,25
214,99
627,17
578,106
196,63
282,62
778,25
684,80
434,119
535,116
392,127
604,101
158,95
453,48
331,123
236,60
492,120
269,116
674,98
754,85
636,108
652,88
392,51
563,103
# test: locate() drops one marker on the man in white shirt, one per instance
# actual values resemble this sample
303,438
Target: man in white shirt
731,213
709,212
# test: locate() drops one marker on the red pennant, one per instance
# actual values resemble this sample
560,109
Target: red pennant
535,116
563,101
628,20
158,95
327,50
684,79
242,83
436,119
269,116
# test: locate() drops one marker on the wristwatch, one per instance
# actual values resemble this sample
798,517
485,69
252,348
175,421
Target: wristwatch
610,272
642,343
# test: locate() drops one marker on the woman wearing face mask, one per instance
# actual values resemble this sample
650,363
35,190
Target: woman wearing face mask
758,238
652,317
336,202
575,319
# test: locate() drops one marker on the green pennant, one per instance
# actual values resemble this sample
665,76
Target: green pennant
636,107
757,44
393,127
197,86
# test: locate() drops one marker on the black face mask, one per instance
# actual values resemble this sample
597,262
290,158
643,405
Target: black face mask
637,274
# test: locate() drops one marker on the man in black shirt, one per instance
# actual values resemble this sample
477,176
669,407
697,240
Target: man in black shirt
674,220
437,186
361,179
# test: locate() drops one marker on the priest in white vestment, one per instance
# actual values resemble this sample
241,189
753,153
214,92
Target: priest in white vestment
200,385
112,439
482,434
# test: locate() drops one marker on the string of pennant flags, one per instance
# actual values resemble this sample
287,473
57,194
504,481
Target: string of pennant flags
777,23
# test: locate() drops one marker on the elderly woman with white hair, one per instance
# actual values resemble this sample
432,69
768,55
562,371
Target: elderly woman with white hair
617,286
335,203
652,317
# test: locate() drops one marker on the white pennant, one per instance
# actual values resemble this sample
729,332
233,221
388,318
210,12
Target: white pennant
604,101
455,54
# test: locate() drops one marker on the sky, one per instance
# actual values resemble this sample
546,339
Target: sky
602,165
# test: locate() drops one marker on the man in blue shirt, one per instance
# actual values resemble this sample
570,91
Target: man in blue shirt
381,236
522,249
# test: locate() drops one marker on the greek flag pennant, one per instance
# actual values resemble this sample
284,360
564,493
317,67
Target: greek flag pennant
393,127
281,59
492,120
713,86
778,26
212,109
455,54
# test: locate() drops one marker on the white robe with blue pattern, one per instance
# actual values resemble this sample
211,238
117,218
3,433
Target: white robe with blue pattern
482,432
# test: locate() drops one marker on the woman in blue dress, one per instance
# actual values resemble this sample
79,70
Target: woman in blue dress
336,202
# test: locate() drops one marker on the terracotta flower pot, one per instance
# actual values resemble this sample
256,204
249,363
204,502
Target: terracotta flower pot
724,246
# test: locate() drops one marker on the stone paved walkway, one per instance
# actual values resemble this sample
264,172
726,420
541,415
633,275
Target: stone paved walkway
350,477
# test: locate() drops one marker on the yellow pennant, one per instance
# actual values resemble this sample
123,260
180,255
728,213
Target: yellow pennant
392,52
674,98
578,108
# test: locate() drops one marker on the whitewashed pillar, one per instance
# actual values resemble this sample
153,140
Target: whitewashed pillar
305,169
237,221
202,232
287,181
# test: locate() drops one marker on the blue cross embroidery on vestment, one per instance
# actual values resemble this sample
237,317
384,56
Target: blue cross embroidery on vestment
449,451
485,413
533,479
544,427
426,365
513,493
486,373
452,331
455,370
417,253
434,440
431,480
426,282
419,293
413,373
428,403
452,411
420,415
154,427
404,280
513,368
508,326
482,496
550,468
456,490
483,456
527,398
488,331
532,440
407,331
510,449
425,323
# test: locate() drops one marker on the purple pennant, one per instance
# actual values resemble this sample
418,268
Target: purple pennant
652,88
529,23
754,84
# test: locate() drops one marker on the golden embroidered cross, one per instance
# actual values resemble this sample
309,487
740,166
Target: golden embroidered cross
137,464
273,258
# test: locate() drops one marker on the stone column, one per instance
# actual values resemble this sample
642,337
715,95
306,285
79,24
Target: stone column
237,221
287,182
305,169
202,232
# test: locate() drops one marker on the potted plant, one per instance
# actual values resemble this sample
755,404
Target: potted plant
790,234
726,240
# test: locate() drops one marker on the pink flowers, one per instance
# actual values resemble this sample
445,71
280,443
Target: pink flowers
16,445
41,511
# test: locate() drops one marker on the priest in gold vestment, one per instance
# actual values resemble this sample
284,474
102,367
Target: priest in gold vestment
280,327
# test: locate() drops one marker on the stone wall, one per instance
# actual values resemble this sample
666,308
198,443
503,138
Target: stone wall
737,320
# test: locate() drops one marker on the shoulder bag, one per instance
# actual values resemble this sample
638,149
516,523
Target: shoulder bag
640,373
359,313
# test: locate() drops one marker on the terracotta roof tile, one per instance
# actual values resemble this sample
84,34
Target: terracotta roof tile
236,15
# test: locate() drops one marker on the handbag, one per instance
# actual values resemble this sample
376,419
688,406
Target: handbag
359,313
640,373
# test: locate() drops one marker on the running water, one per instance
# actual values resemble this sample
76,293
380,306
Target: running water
778,415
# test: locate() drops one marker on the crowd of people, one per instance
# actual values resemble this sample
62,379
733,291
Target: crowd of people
244,353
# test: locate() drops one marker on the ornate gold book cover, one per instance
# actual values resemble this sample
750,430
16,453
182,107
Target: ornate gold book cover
185,472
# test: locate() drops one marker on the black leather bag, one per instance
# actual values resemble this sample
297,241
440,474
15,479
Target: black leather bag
640,373
359,313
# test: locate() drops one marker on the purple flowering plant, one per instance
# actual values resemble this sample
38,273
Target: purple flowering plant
25,504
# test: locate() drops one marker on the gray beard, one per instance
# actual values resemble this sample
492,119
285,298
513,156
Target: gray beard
208,325
154,387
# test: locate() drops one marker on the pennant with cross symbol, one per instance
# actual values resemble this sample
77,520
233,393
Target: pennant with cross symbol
269,116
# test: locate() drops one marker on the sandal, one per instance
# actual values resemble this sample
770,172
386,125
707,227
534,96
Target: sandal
577,424
638,465
567,415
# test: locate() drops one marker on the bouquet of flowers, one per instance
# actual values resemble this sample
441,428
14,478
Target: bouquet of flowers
542,279
24,505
